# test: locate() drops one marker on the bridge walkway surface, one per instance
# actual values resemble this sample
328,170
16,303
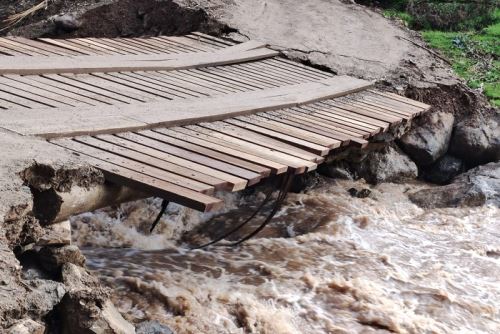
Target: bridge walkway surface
183,117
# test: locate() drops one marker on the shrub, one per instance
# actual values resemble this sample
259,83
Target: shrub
452,15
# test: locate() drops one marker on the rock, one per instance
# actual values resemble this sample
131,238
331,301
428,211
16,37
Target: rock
363,193
26,326
386,165
336,170
86,307
443,170
56,234
52,258
44,295
66,22
429,138
114,320
477,140
152,327
477,187
77,278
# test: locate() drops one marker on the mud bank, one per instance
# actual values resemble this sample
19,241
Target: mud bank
44,283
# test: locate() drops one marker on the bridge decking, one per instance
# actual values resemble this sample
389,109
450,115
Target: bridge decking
182,117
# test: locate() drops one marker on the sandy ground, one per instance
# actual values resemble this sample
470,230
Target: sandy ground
344,37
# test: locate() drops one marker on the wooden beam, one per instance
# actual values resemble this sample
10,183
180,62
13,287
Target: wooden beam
25,65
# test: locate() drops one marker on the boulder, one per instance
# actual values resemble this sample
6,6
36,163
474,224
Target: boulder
429,138
336,170
477,187
386,165
477,140
152,327
66,22
86,308
52,258
26,326
44,295
443,170
56,234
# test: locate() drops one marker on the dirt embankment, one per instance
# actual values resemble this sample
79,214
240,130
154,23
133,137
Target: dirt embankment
46,285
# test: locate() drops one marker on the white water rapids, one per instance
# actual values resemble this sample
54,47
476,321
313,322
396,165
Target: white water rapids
329,263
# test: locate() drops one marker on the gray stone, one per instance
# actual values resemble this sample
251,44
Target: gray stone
429,137
477,140
336,170
477,187
44,295
443,170
66,22
152,327
26,326
386,165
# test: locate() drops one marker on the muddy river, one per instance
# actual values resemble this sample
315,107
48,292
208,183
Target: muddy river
329,263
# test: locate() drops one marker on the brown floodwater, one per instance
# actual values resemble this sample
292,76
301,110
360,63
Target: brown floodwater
328,263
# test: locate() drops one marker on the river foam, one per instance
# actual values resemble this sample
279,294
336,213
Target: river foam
329,263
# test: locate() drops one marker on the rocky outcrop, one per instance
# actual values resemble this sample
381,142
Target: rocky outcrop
476,140
478,186
389,164
429,137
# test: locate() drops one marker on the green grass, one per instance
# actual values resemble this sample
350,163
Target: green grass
475,55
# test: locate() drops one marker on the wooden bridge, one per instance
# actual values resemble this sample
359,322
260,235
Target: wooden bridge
182,117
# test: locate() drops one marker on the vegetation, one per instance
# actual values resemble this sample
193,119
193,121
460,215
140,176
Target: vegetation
467,32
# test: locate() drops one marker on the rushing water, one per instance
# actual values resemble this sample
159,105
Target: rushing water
330,263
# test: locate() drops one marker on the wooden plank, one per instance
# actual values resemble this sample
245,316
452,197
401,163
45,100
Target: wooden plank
187,87
184,42
377,107
62,44
201,155
358,109
305,115
307,126
53,50
97,43
299,165
154,80
408,109
168,166
42,94
364,119
157,187
121,63
290,130
262,140
88,83
401,98
185,112
275,167
46,82
236,183
136,166
302,113
22,47
32,83
343,119
316,149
